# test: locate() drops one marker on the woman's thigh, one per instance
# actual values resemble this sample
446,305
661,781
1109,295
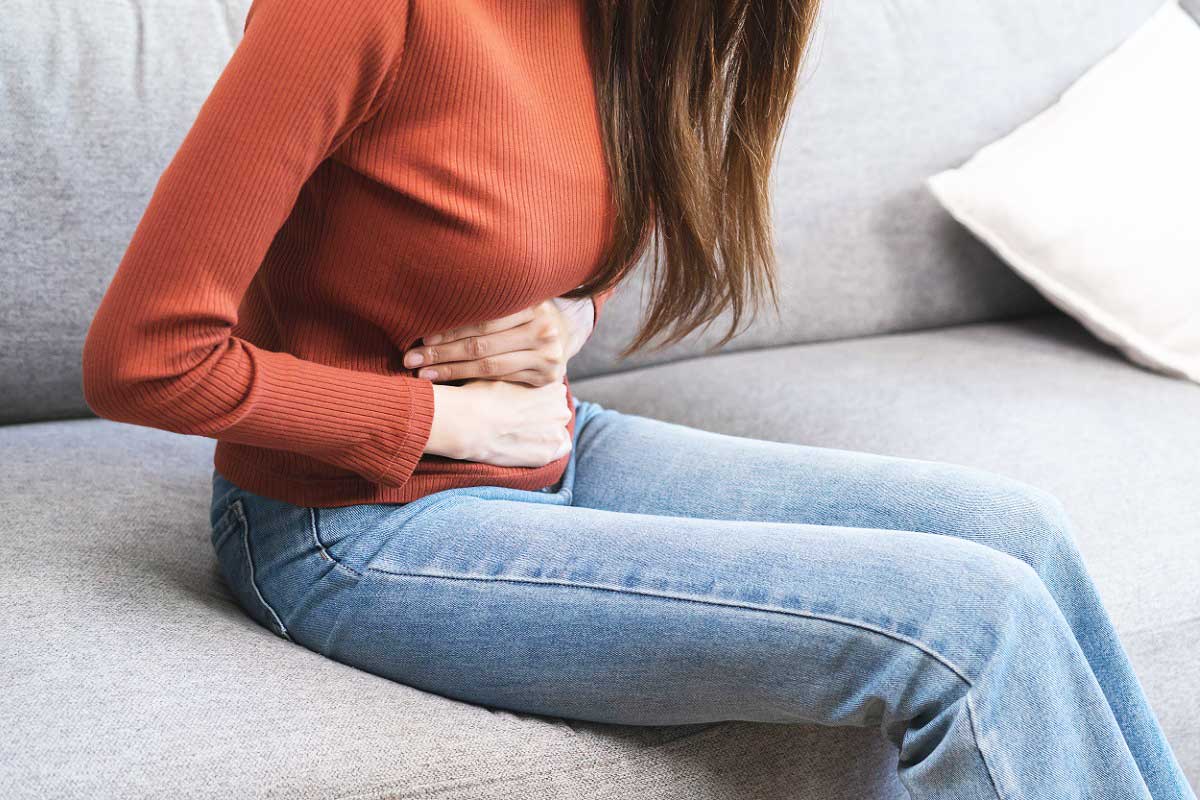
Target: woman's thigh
492,597
636,464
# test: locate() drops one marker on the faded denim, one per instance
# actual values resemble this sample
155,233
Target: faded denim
676,575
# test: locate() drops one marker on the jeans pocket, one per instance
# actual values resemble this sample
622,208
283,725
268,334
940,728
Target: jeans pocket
231,540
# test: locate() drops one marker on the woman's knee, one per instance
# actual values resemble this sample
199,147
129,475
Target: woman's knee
1017,518
1001,607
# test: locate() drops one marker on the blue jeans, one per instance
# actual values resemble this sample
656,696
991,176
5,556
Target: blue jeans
676,575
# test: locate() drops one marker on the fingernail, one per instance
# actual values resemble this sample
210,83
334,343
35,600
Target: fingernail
413,359
427,373
434,339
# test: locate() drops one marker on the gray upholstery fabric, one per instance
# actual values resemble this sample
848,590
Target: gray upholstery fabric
129,672
893,93
95,97
1037,399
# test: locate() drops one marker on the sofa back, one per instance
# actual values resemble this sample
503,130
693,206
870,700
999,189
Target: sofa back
98,94
95,97
892,93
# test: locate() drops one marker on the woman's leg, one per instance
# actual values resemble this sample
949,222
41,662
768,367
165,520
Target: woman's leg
635,464
521,600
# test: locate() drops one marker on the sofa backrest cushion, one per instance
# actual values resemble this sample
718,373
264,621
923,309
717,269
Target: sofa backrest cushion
892,93
95,97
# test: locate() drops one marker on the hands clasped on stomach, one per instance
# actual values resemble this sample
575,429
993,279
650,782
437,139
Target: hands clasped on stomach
512,409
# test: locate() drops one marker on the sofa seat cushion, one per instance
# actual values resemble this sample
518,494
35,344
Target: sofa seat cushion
129,671
1038,399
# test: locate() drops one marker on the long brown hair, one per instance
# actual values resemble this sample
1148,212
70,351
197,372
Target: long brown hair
693,95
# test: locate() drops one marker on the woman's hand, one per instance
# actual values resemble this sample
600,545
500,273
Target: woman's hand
502,423
531,346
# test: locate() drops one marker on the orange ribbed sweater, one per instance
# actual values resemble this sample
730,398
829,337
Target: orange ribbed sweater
363,173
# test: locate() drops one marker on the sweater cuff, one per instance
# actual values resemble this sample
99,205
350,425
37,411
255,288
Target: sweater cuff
409,444
372,423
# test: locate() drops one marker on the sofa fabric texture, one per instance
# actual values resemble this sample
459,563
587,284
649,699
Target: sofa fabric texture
130,670
96,97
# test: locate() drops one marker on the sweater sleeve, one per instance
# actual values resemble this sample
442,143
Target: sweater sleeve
159,351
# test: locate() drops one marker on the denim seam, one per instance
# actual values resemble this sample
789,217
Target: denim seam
924,648
253,580
225,497
979,746
314,527
222,529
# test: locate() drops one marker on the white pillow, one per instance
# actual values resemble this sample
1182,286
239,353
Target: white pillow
1096,201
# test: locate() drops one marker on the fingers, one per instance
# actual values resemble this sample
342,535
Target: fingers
480,328
470,348
526,336
503,366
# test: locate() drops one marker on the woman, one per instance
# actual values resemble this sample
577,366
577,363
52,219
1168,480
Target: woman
362,274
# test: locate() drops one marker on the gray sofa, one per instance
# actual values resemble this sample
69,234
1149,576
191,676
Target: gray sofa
128,668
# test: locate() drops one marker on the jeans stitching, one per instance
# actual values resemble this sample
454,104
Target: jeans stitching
223,527
225,497
314,527
282,631
924,648
979,746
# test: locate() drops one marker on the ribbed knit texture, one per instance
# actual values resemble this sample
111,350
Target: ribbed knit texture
364,173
